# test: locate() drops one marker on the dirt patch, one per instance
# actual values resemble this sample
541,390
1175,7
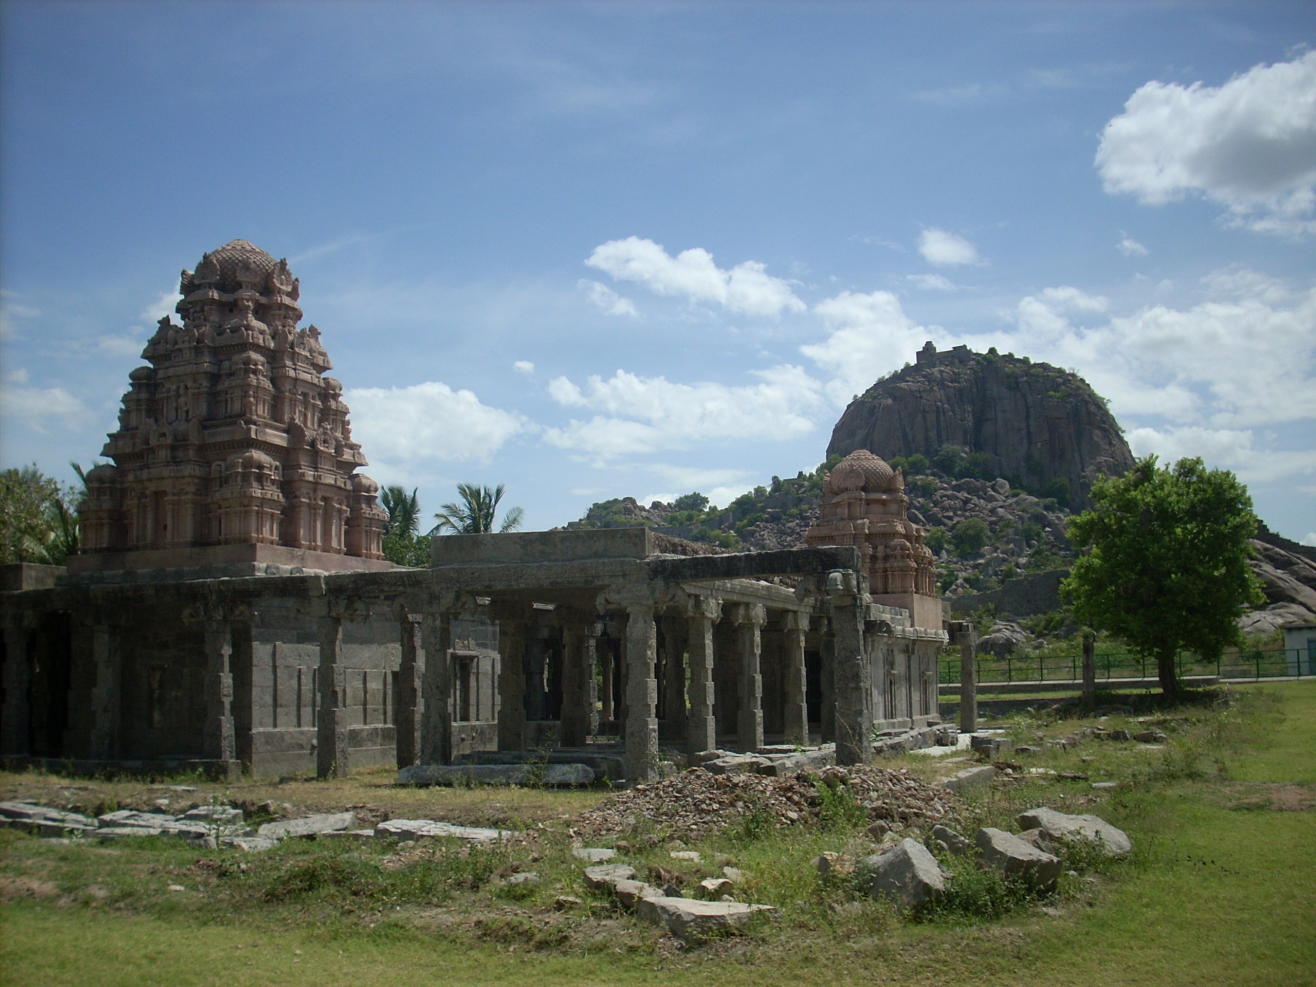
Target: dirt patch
16,886
1271,796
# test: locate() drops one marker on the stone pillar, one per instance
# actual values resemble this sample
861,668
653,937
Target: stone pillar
410,701
795,711
106,692
16,725
578,636
674,698
749,619
641,655
968,677
218,691
331,717
701,728
436,718
1089,668
511,679
826,682
851,679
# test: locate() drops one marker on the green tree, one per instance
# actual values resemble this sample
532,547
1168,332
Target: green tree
476,512
403,511
1164,563
38,519
969,536
691,502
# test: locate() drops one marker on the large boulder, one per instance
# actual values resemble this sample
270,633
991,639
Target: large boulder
1061,827
906,874
689,918
1014,857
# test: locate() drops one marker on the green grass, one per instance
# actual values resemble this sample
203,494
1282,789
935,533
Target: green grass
1219,889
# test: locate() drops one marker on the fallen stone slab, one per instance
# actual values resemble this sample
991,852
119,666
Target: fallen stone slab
780,765
602,763
951,840
129,818
21,811
603,876
593,855
218,815
991,747
524,774
689,919
1061,827
125,832
968,781
906,874
715,887
1014,857
48,829
691,856
251,844
735,764
307,825
420,829
631,893
347,834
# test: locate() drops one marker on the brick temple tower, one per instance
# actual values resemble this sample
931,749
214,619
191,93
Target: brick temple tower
864,505
233,448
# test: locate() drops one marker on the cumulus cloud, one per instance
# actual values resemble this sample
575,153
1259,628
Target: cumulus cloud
524,367
162,306
931,282
870,336
945,249
1130,247
1234,449
640,415
39,408
429,421
606,300
746,288
1249,145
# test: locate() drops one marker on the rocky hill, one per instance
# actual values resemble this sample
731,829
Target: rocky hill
1042,428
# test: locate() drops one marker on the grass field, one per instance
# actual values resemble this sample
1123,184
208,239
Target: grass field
1219,888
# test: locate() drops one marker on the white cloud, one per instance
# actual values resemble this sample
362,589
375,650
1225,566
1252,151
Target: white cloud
946,249
1130,247
931,282
162,306
429,421
126,344
524,367
38,408
1309,538
1249,145
639,415
1233,449
606,300
746,288
872,336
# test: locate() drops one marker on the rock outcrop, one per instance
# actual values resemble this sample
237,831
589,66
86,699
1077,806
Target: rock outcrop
1042,427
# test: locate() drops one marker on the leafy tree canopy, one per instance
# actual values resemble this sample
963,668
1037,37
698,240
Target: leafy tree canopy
476,512
38,519
403,511
1164,562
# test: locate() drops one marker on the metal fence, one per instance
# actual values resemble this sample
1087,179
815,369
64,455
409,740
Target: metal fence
1248,664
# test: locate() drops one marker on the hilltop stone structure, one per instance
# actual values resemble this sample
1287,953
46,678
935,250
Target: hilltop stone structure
232,446
219,617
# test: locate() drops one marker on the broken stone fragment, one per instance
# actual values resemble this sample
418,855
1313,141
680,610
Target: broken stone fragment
416,829
593,855
715,887
307,825
906,874
1061,827
952,841
689,919
970,780
1013,857
603,876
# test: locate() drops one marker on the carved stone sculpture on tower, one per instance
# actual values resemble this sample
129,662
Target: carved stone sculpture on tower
232,446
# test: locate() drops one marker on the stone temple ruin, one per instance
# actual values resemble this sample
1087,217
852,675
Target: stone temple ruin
230,609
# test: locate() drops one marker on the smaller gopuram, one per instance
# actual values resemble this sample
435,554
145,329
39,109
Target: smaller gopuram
233,447
864,505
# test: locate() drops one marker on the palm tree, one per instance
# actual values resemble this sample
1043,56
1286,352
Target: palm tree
475,514
403,511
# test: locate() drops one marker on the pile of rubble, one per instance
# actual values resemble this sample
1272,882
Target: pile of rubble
697,803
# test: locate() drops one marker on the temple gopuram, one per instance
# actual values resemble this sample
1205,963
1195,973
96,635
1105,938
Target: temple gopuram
233,447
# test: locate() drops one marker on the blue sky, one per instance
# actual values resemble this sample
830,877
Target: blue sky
610,249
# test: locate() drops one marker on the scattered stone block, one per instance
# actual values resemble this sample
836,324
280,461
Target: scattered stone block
1014,857
251,844
1150,737
951,840
524,877
307,825
214,815
689,919
631,893
603,876
567,902
907,874
1061,827
970,780
1102,786
593,855
715,887
737,764
990,746
418,829
692,856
